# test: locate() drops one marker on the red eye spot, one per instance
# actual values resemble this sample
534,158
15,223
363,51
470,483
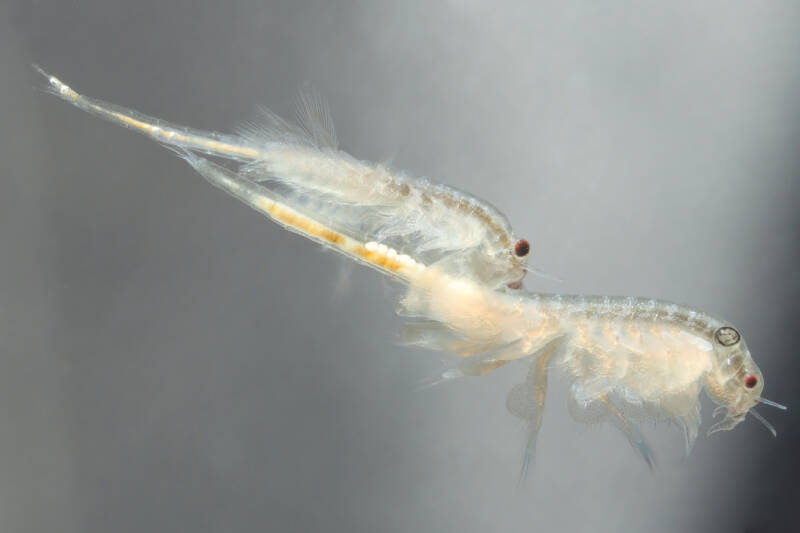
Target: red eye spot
522,248
750,381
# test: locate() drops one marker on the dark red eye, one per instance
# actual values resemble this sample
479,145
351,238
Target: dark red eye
522,248
750,381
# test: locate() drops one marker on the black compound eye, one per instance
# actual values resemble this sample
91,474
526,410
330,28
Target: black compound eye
727,336
750,381
522,248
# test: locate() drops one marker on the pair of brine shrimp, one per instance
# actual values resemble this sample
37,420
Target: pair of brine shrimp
627,359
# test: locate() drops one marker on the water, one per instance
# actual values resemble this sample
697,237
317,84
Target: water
172,361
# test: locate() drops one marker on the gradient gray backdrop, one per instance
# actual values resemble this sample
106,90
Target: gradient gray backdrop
171,361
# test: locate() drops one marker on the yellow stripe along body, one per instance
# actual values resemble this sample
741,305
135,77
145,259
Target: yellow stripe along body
262,200
259,198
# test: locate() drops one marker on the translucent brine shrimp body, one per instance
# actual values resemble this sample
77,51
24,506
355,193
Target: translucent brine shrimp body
302,166
627,359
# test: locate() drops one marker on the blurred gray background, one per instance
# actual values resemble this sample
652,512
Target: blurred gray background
171,361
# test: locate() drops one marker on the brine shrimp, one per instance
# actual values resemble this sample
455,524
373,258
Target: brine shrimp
627,359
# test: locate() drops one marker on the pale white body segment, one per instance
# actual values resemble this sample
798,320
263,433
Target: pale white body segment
627,358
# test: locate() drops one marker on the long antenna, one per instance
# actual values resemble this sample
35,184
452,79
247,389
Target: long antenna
763,421
772,404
